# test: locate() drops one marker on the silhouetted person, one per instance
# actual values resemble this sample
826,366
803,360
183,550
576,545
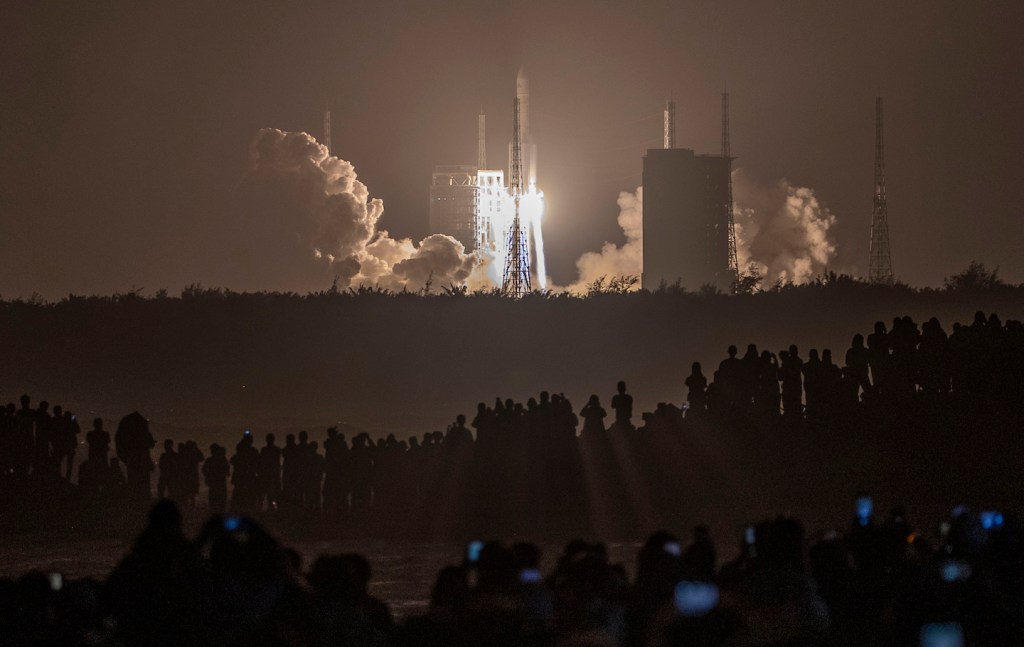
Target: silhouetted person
696,390
191,460
348,614
243,475
361,465
878,358
748,373
70,440
831,384
593,418
42,460
335,459
290,473
314,472
700,558
767,392
622,403
484,424
458,433
812,373
133,443
790,374
269,474
169,474
23,441
857,362
98,441
64,441
153,594
215,475
92,473
728,378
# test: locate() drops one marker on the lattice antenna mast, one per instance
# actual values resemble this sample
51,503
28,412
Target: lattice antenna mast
669,135
880,257
516,278
481,140
327,126
731,223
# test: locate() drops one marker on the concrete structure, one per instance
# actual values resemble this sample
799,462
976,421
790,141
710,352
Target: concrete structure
491,200
453,199
686,219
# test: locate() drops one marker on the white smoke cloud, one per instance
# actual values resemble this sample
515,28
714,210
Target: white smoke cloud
309,220
614,261
783,230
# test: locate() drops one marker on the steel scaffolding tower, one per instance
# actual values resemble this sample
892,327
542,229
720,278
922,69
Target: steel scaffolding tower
481,140
731,233
880,257
516,278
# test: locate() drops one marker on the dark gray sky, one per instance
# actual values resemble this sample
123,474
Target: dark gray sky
125,125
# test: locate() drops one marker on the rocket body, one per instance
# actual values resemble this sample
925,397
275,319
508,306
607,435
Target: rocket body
527,146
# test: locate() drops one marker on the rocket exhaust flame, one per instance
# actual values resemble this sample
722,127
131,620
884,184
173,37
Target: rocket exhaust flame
533,206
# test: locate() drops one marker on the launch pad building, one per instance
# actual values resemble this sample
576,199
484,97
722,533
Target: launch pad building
686,219
453,203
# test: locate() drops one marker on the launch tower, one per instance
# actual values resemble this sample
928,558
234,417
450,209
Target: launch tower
516,277
880,258
734,269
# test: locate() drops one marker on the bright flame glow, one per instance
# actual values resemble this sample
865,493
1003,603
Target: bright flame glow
532,206
495,213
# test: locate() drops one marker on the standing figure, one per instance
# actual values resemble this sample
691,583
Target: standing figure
622,403
133,443
268,473
215,473
593,418
696,395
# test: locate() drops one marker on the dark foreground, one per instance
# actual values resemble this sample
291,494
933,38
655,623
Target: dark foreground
914,414
878,583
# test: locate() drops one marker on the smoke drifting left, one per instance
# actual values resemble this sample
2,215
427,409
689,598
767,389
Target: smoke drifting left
307,221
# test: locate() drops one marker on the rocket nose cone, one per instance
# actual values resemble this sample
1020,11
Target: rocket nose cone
522,82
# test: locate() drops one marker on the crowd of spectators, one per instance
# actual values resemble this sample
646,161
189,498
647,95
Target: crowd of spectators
532,464
878,583
514,464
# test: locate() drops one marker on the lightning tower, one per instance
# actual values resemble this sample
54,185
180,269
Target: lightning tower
880,258
730,222
516,277
481,137
327,126
669,136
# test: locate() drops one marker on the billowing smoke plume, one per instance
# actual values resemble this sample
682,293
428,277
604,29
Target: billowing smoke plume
614,261
782,230
309,221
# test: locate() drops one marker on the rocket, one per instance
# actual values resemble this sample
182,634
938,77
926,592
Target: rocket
528,147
